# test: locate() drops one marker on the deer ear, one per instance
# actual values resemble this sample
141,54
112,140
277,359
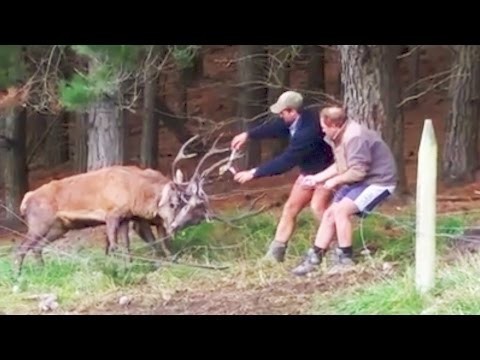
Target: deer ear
179,176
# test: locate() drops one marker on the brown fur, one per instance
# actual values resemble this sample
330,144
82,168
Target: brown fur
112,196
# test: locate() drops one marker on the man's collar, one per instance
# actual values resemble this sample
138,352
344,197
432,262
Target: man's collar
341,131
338,136
296,120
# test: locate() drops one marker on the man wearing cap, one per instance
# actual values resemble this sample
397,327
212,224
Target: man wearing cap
307,150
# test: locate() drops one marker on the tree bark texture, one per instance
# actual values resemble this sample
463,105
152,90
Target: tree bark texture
149,142
414,65
252,95
105,135
371,83
315,71
280,71
80,136
36,137
56,142
188,75
15,161
460,149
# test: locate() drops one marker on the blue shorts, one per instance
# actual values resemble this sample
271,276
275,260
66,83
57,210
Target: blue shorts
367,197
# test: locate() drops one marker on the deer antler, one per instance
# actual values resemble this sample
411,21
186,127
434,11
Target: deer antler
181,155
213,151
206,172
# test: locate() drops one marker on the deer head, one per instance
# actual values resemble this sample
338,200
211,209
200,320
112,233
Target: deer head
195,206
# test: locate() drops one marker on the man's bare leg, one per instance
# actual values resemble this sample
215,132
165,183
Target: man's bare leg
324,236
344,230
327,229
336,220
321,200
297,201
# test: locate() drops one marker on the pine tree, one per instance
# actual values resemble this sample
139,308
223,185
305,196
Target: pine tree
13,114
98,91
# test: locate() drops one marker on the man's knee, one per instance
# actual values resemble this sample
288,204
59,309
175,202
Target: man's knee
321,200
344,209
318,210
292,208
329,214
319,207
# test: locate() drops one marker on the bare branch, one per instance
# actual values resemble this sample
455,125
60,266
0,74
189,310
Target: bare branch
410,52
419,95
429,78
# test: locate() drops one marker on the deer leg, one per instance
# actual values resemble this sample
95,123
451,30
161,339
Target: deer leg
123,233
164,240
144,230
22,251
30,243
37,228
53,234
112,223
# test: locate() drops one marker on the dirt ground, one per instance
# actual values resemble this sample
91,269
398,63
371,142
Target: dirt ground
285,296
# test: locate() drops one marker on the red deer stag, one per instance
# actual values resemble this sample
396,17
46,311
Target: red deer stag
113,196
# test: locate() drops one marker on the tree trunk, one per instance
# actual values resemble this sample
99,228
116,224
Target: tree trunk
56,142
15,168
36,137
105,135
414,64
172,122
187,76
281,74
149,144
371,82
361,82
80,136
252,96
461,132
315,72
3,152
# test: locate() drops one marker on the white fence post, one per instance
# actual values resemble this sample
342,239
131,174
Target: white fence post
426,210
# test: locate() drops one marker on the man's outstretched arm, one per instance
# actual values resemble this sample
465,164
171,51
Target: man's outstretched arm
301,145
275,128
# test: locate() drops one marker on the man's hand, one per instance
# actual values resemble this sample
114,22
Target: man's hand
309,181
330,184
244,176
239,140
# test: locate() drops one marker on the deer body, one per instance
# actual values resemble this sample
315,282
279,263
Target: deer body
111,196
114,196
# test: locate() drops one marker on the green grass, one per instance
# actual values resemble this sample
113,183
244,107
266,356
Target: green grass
394,296
248,241
456,288
87,276
455,292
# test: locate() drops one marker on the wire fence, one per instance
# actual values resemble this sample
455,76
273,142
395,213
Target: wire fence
405,223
